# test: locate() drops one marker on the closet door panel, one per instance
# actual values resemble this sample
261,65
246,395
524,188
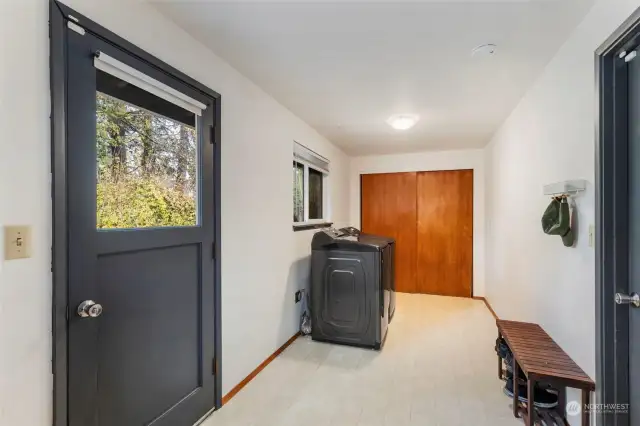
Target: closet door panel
444,250
388,208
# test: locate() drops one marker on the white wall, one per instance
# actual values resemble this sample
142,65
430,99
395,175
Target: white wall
428,161
263,261
549,137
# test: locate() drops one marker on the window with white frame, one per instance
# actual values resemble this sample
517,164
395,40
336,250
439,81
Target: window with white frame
310,189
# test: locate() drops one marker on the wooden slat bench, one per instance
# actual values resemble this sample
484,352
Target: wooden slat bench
542,360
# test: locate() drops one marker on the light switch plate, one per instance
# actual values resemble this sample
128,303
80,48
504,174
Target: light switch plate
17,242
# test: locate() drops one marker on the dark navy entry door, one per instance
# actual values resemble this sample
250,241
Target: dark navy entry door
141,232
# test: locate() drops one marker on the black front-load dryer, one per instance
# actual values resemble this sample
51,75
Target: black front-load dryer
351,281
391,282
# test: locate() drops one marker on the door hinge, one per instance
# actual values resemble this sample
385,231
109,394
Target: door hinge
214,367
212,135
75,27
631,56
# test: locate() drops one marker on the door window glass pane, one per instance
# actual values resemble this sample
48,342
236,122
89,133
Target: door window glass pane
298,192
147,173
315,194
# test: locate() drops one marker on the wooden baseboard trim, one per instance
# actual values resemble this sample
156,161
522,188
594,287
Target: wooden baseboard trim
257,371
488,305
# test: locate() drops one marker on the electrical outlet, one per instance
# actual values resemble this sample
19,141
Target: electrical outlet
298,296
17,242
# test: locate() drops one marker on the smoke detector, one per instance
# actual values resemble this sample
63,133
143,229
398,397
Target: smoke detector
484,50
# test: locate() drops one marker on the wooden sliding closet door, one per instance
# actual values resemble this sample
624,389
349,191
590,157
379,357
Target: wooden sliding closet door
430,215
388,208
445,232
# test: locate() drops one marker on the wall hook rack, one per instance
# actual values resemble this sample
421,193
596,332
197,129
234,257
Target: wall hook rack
568,187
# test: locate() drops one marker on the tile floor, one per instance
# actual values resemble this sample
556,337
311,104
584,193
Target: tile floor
437,368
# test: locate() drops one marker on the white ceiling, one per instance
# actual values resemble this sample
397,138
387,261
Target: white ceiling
345,67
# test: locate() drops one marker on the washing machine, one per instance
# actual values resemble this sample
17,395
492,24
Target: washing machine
350,230
351,281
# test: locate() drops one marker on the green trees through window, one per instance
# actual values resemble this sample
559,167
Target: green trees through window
147,167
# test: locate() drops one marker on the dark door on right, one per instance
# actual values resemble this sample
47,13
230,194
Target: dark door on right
634,237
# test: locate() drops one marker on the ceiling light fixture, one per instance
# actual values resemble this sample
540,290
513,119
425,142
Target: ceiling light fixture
403,121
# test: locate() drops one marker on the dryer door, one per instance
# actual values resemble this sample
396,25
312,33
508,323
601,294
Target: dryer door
345,300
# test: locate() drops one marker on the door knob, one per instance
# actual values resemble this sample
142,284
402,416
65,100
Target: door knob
632,299
89,309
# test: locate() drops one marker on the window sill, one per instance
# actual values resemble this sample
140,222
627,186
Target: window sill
307,226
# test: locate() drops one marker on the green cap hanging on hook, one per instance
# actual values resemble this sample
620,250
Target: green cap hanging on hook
556,220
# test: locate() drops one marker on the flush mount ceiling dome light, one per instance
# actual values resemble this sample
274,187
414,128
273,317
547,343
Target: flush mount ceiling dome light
403,121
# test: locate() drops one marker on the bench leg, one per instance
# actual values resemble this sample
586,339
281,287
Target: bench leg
516,373
531,414
562,401
586,400
499,360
